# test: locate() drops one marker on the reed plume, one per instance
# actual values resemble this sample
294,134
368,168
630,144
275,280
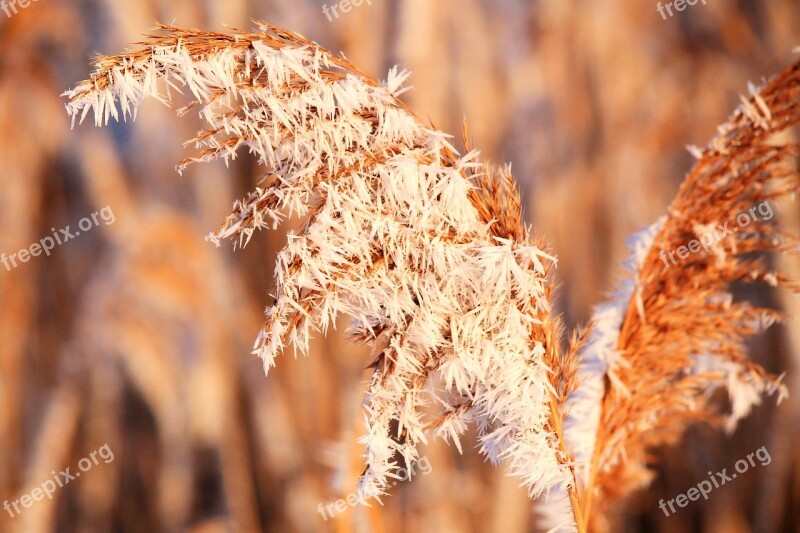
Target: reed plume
424,249
675,333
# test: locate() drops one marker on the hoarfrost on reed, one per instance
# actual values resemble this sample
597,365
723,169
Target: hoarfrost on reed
401,233
424,249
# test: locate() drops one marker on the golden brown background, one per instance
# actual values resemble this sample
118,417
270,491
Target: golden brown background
137,334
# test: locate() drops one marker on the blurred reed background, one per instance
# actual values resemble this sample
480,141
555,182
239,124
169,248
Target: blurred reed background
137,334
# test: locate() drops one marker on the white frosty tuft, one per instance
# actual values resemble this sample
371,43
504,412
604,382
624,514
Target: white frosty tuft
393,241
600,356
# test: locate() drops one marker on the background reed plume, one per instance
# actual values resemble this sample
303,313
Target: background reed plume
425,250
138,333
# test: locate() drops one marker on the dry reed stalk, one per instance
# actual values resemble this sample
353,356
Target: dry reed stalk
59,428
426,251
785,432
28,141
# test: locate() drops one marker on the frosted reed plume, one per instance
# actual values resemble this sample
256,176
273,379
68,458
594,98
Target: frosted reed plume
425,251
421,246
